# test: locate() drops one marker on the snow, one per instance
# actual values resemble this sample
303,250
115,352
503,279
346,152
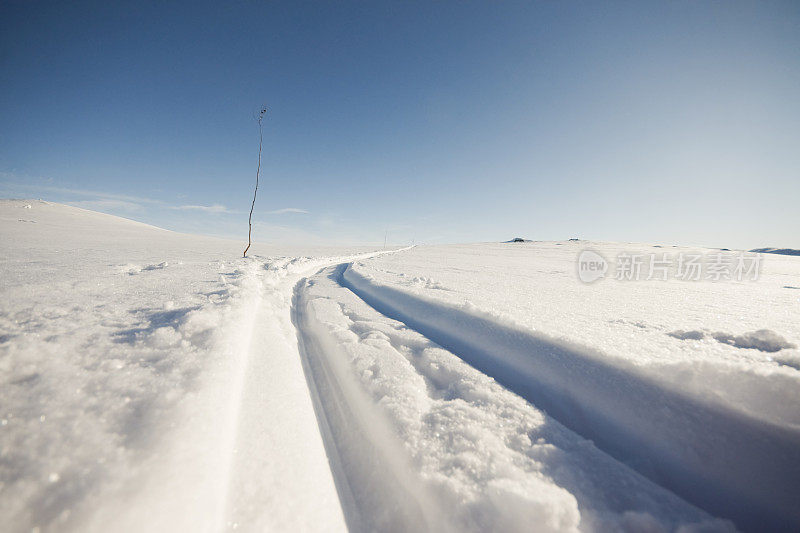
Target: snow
480,456
159,381
713,420
763,339
128,359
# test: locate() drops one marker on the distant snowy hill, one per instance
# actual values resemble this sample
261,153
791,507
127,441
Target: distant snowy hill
157,381
781,251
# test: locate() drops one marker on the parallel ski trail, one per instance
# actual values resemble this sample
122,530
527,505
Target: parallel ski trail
376,487
246,450
725,462
280,476
420,440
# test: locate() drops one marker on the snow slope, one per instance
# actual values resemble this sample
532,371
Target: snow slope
715,422
158,381
152,377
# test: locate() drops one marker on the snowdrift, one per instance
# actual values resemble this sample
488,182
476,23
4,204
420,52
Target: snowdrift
153,380
711,453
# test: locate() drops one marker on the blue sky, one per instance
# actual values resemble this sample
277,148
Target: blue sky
437,121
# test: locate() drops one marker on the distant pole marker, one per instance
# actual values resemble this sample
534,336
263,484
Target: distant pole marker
261,114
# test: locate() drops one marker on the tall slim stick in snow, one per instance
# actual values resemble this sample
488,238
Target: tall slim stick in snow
258,171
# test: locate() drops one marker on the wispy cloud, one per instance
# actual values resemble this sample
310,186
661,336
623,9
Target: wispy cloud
277,234
216,208
165,212
286,210
30,184
103,205
103,200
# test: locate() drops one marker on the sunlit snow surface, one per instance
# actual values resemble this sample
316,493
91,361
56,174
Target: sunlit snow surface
157,381
133,380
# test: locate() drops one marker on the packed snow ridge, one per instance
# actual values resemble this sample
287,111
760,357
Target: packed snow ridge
158,381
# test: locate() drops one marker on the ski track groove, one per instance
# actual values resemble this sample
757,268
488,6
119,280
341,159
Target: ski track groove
267,362
759,451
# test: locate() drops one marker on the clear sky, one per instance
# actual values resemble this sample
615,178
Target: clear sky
672,122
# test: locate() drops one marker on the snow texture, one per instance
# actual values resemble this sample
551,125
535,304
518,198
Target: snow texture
156,381
763,339
151,379
474,455
714,423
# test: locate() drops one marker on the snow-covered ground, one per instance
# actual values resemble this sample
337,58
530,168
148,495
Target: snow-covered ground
676,379
156,381
152,378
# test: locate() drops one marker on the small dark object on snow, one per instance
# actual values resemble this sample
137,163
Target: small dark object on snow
574,239
781,251
517,239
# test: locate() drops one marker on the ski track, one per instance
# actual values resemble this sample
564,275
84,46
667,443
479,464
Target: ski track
729,463
274,441
284,437
279,476
421,441
246,452
375,488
